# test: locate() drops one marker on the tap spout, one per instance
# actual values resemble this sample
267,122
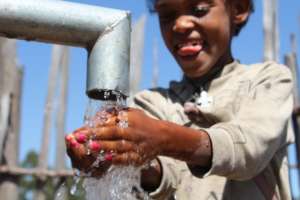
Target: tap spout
103,32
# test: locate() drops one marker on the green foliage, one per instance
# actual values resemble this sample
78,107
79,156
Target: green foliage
28,183
49,186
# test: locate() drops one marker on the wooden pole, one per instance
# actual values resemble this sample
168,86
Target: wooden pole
61,115
37,172
4,112
271,31
61,110
155,64
7,69
52,83
10,103
11,151
291,62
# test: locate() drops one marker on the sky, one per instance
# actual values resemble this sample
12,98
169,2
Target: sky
35,58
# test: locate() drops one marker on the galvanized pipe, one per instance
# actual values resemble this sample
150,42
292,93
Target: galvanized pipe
104,32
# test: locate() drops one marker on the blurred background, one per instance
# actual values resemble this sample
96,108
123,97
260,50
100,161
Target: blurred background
47,100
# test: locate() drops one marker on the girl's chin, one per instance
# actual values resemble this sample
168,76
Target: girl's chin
188,59
194,73
192,61
195,70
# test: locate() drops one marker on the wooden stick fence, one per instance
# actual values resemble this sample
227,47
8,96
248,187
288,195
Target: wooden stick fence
18,171
11,80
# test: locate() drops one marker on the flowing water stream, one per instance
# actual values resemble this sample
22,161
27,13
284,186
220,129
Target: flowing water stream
119,182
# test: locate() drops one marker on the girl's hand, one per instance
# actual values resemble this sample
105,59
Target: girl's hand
84,151
130,137
135,144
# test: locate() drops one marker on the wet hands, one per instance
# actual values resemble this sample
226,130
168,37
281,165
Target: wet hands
125,137
134,145
84,153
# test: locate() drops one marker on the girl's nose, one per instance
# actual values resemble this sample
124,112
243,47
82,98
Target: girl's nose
183,24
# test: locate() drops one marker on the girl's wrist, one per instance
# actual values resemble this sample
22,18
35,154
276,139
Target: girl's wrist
183,143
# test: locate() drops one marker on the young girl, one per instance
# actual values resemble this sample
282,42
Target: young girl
220,133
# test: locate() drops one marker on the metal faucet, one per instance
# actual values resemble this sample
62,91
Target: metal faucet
103,32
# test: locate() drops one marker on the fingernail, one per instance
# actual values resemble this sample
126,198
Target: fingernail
69,137
74,144
108,156
94,146
80,137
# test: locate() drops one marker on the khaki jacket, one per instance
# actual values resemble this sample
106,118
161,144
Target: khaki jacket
248,121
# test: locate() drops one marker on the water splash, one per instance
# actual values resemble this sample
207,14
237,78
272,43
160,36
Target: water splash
74,186
118,183
121,183
62,192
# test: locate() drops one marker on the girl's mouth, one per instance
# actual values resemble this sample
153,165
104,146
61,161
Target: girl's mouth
189,48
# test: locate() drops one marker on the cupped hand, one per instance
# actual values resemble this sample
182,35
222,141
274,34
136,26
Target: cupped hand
136,143
77,150
128,137
83,150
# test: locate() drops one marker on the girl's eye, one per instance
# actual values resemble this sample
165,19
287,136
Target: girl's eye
200,10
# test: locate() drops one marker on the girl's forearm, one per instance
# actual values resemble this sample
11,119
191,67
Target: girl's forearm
186,144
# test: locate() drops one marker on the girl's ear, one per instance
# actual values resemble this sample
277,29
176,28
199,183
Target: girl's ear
241,10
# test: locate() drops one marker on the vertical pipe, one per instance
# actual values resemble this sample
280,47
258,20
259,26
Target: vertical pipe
108,62
136,51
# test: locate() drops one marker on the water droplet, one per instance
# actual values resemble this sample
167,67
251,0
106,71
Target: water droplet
123,124
61,193
74,186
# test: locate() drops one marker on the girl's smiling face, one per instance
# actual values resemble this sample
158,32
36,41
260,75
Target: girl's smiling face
198,33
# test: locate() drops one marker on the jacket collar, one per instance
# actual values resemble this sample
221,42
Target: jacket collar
187,87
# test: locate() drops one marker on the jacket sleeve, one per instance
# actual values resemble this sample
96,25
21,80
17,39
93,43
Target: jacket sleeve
244,145
153,103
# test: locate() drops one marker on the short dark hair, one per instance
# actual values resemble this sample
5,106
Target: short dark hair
151,8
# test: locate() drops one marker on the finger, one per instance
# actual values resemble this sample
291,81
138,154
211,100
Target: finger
76,150
80,134
129,158
71,141
100,133
84,128
111,121
105,117
132,115
110,133
83,135
105,120
119,146
78,156
94,146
